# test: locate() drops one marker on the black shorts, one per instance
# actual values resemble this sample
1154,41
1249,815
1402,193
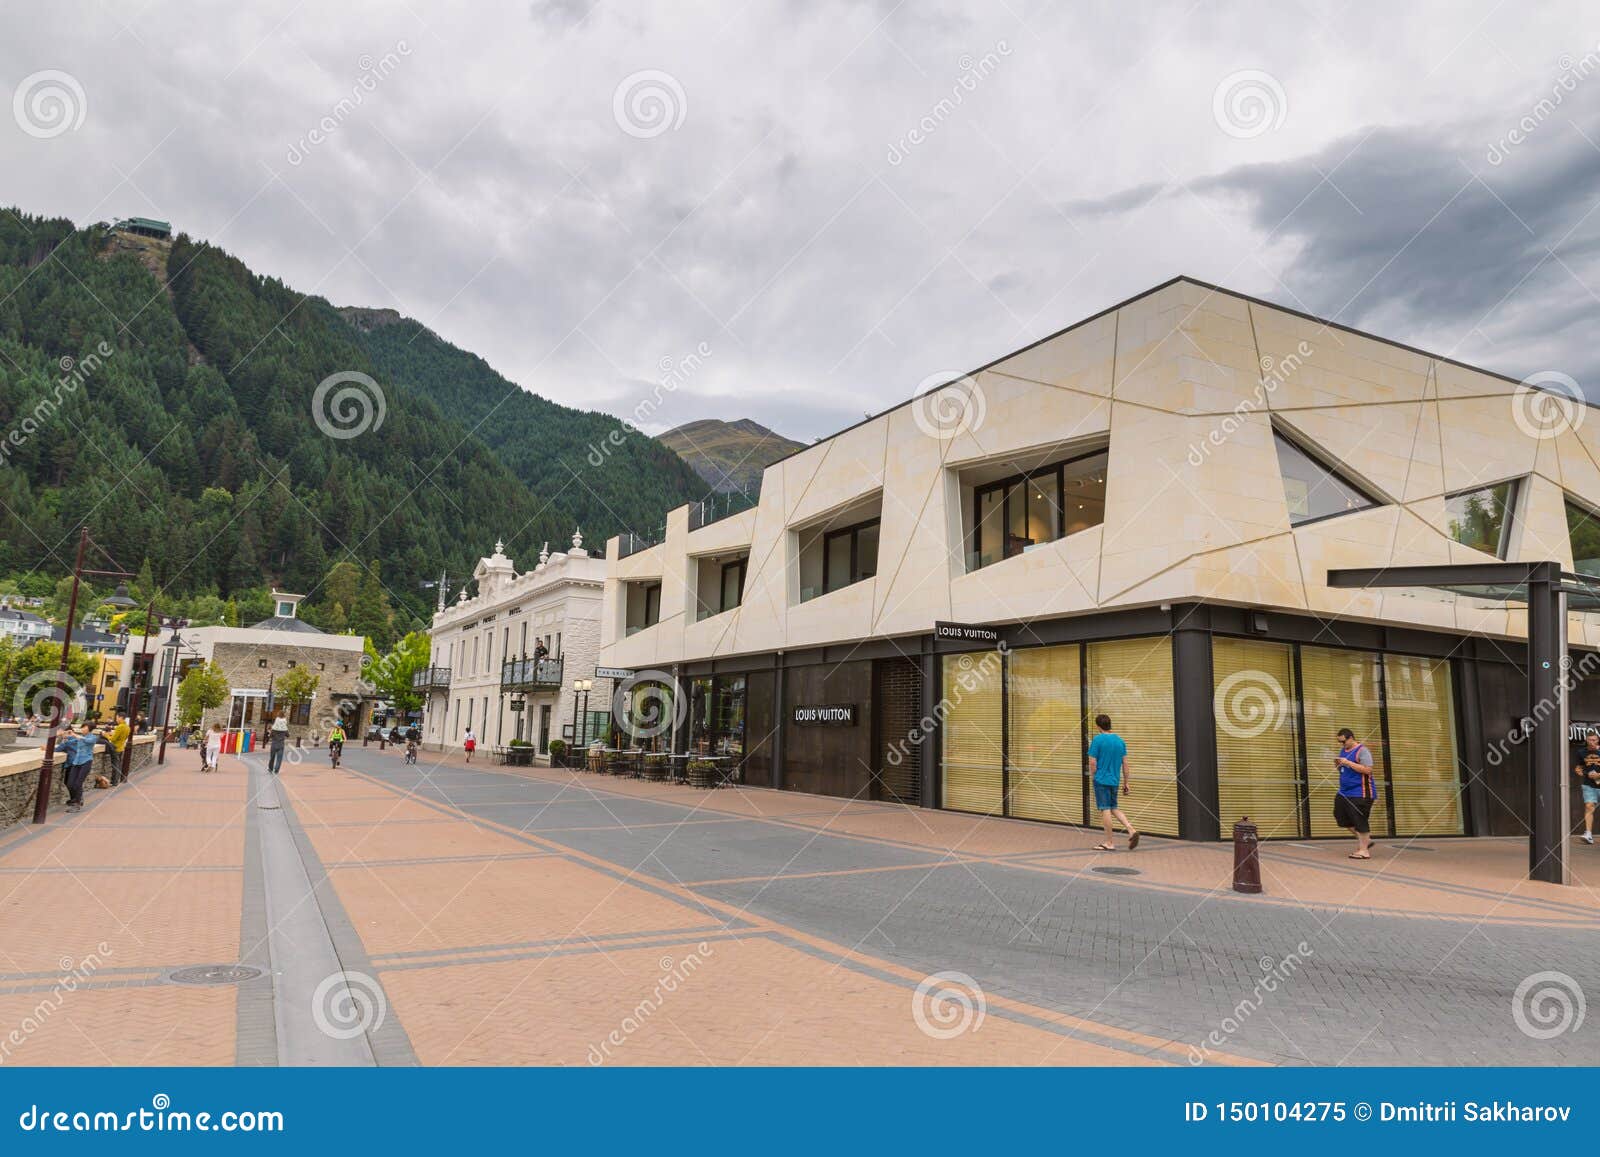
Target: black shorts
1353,812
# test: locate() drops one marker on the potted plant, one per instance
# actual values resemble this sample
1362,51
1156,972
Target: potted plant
616,763
701,773
558,753
655,765
520,753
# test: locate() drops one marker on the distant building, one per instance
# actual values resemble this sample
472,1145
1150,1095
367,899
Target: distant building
145,227
253,659
485,673
24,627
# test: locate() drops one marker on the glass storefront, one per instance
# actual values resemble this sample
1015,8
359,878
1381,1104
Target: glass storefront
716,716
1285,780
1014,730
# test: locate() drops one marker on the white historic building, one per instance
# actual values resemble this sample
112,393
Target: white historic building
487,673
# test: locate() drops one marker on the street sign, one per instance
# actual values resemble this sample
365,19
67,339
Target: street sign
613,672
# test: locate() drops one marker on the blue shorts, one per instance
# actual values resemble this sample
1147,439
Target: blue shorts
1105,795
1591,794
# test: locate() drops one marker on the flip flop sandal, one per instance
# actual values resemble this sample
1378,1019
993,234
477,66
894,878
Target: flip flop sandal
1133,841
1353,856
1104,848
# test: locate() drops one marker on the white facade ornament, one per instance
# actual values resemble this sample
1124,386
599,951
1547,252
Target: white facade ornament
544,554
577,539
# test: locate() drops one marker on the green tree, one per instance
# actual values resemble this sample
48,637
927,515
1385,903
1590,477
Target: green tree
341,585
371,616
31,674
296,686
390,674
203,688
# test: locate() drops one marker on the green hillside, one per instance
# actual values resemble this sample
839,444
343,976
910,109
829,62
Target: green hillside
177,423
606,478
730,456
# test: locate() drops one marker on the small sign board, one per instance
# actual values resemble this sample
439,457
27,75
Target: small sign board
966,633
613,672
825,714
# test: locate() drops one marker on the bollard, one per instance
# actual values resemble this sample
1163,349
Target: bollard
1246,857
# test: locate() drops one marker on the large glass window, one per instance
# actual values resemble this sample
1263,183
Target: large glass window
849,555
1015,514
1583,528
1258,736
1340,689
1045,716
973,743
732,584
1422,746
1481,518
1131,681
1312,489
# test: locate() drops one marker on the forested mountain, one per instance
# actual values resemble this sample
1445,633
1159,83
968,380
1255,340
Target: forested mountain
607,477
176,421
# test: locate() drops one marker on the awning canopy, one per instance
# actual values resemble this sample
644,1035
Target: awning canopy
1499,582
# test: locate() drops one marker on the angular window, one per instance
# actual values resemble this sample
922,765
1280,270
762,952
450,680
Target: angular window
1481,518
1015,514
849,555
1314,490
1583,528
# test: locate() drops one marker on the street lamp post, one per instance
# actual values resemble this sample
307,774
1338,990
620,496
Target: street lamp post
41,803
582,685
172,647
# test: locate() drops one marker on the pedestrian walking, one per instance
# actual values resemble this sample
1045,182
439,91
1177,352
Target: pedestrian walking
1352,807
1108,767
211,753
277,739
1588,772
79,753
470,742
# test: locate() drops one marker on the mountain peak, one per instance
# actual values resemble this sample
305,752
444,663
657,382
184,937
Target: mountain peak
729,455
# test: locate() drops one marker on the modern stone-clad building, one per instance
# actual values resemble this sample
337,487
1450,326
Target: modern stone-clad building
486,673
1136,515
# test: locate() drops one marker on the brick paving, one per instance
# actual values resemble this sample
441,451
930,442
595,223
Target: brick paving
537,916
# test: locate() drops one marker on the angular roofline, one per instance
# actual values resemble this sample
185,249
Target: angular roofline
1168,284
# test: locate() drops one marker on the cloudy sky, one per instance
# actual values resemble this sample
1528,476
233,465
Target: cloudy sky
838,200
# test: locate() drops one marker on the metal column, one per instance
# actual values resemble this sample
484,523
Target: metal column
1547,713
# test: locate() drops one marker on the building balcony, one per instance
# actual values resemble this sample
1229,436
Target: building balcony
531,674
431,679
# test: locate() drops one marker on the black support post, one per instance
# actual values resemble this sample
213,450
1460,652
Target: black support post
928,750
1474,745
1547,712
780,720
1196,735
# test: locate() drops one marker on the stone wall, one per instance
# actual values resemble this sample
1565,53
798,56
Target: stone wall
19,778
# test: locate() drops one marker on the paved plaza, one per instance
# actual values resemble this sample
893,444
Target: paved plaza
445,914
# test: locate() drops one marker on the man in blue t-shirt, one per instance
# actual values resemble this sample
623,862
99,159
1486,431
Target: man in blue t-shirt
1352,807
1108,767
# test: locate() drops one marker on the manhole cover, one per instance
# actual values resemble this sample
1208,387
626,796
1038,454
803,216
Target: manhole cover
214,974
1109,871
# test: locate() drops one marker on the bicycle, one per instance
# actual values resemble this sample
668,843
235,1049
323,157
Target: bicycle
411,753
335,748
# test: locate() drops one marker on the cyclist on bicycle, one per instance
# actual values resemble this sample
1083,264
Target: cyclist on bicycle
413,741
335,743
